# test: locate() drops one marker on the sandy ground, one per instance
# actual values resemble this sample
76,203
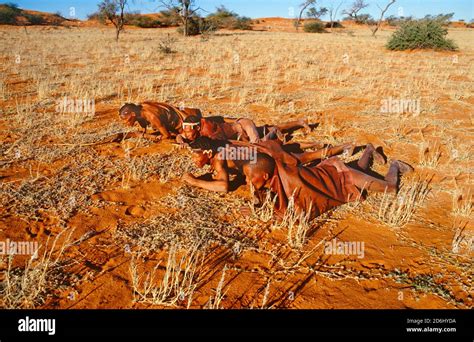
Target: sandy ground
117,227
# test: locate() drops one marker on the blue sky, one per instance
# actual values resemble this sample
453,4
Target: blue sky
463,9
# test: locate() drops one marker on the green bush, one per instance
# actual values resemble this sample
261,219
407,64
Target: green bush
147,22
242,23
421,34
197,25
223,18
335,24
442,19
314,27
365,19
97,16
8,13
34,19
169,18
139,20
397,21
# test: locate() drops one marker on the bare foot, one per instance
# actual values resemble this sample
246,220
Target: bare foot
304,123
379,156
403,167
349,149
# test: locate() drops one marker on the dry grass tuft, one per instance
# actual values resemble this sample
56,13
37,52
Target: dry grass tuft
178,282
463,239
430,155
462,203
397,210
265,211
215,302
28,287
298,224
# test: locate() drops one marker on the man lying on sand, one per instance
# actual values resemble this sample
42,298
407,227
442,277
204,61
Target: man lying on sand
220,128
162,117
316,189
224,157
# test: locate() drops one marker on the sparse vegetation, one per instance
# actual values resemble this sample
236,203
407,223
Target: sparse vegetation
64,169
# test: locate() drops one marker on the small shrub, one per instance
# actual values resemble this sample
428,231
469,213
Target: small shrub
397,21
198,26
314,27
365,19
442,19
226,19
421,34
169,18
145,22
242,23
335,24
8,14
34,19
166,45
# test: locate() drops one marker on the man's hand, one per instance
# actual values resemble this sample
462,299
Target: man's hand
188,178
181,141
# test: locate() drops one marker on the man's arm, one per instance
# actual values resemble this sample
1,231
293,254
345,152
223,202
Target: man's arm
250,129
219,184
308,157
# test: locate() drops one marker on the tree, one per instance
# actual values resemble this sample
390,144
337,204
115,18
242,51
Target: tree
185,9
313,12
443,19
377,26
355,8
114,11
303,7
333,13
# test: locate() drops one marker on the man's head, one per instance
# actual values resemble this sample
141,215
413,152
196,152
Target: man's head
192,127
204,149
129,113
258,174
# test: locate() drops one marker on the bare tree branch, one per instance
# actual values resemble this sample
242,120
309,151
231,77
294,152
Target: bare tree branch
383,11
303,7
355,8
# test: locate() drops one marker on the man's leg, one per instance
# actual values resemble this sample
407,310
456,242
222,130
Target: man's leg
327,152
250,129
389,184
369,154
292,125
